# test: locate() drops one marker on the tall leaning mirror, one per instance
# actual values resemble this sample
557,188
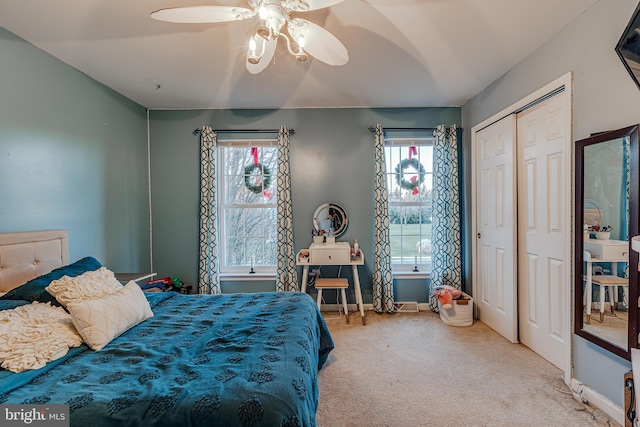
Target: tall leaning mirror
606,202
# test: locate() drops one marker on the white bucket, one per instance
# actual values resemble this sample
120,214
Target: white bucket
460,313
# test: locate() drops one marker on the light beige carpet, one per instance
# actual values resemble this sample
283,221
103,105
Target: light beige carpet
410,369
613,328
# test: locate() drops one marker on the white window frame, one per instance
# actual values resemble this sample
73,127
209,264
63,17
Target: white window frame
423,264
242,270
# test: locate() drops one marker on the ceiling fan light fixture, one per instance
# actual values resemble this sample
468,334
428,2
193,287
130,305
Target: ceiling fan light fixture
264,32
262,11
303,38
272,18
302,55
252,57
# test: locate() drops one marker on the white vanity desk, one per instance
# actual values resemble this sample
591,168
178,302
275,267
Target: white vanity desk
611,251
338,253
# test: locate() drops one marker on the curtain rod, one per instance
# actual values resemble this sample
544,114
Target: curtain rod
373,129
291,131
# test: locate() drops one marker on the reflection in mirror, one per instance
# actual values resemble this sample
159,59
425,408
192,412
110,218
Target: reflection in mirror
607,215
330,220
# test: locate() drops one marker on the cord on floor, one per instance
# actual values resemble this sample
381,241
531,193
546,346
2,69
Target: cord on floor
581,395
340,310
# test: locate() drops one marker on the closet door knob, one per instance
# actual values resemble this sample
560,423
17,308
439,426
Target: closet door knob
479,235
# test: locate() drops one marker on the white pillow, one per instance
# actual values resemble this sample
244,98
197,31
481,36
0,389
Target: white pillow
88,285
101,320
34,334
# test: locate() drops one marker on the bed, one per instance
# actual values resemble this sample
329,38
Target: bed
200,360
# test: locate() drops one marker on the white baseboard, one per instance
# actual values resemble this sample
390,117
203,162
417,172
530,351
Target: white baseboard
582,392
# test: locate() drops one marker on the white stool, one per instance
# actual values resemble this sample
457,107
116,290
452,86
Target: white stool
612,282
337,283
602,281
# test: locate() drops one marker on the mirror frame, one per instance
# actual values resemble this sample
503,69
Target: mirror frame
341,211
628,47
632,336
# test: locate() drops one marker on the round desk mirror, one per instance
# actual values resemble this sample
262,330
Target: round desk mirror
330,220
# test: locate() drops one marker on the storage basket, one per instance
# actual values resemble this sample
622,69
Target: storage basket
460,313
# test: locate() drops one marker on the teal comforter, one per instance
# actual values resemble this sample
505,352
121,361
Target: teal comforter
202,360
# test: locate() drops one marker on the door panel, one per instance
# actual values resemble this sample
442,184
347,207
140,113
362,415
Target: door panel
496,226
543,201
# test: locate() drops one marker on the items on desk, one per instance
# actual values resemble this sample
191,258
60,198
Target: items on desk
603,228
355,250
317,236
600,232
604,233
303,256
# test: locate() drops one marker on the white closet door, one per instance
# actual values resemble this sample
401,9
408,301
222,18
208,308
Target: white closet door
496,301
544,199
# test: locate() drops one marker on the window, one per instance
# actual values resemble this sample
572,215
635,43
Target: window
247,206
409,165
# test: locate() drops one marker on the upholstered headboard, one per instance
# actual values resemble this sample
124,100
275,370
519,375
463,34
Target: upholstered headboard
27,255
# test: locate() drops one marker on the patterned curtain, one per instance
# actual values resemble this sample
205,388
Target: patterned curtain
287,273
446,258
208,266
382,280
624,232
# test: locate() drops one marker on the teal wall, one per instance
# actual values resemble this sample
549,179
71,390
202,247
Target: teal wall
604,98
331,161
73,155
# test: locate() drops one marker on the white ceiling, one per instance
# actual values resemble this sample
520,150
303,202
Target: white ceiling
403,53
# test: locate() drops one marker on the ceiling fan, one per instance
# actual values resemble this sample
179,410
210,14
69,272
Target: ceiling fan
306,37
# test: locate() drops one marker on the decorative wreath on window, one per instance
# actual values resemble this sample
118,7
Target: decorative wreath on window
411,184
260,186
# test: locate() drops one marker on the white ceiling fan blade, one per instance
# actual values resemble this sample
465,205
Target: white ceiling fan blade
267,56
304,5
202,14
319,43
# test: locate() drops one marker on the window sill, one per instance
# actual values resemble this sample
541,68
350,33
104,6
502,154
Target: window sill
272,276
247,276
411,274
